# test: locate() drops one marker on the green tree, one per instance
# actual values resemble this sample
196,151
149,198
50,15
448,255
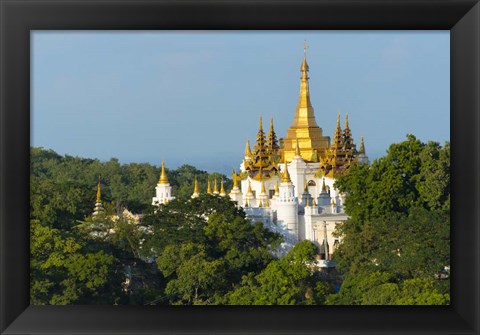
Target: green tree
398,227
64,273
290,280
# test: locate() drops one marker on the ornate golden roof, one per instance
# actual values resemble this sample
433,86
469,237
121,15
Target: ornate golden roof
341,154
264,158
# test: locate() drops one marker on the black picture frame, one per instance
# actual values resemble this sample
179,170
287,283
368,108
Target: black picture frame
18,17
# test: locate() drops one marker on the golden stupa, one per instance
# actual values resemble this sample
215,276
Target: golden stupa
304,128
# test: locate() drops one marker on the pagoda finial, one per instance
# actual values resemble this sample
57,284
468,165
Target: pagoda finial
215,186
260,126
249,190
286,175
276,188
163,176
99,192
304,67
338,120
324,188
346,121
263,188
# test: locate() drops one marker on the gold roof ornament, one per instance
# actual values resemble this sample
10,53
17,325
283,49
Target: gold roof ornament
235,178
248,152
267,203
215,186
297,150
346,121
314,202
195,186
272,142
222,189
260,204
276,188
362,146
163,176
209,188
332,202
263,188
249,191
99,192
286,175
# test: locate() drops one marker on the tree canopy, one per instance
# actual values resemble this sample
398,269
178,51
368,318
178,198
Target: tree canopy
398,231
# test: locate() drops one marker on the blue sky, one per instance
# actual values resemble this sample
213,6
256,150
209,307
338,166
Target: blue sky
195,97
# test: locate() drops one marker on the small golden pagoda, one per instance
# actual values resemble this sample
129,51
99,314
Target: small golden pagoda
304,127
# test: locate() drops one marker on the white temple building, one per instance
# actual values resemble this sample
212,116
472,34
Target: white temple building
289,184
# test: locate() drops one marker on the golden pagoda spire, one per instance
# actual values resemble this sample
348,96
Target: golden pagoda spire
314,202
234,178
276,188
286,175
346,121
362,146
209,188
163,176
263,188
304,116
304,127
272,142
337,136
324,188
297,149
195,186
248,152
222,189
99,192
215,187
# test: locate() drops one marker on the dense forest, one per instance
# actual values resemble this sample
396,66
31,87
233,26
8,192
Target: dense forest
395,246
